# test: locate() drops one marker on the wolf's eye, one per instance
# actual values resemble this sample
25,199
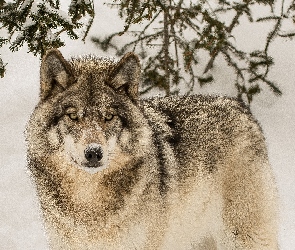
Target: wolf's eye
110,114
109,117
73,116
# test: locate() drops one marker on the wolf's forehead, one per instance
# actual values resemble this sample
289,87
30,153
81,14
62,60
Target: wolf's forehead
90,97
90,64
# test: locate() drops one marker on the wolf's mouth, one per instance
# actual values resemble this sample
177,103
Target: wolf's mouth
90,165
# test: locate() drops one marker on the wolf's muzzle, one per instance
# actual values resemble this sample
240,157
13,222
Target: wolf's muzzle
93,154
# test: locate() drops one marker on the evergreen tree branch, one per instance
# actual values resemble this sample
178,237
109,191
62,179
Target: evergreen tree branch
39,24
239,12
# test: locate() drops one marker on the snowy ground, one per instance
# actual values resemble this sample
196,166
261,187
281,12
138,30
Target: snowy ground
21,225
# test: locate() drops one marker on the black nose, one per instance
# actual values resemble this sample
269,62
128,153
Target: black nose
93,153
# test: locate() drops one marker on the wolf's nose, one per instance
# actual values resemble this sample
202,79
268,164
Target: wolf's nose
93,153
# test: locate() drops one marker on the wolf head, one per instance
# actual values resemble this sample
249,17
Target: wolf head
86,107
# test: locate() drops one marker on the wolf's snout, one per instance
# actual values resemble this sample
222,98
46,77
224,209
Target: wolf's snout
93,154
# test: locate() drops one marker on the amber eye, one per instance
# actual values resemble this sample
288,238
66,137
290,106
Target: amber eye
109,117
73,116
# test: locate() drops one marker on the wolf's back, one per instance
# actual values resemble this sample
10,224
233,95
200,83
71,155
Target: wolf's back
204,127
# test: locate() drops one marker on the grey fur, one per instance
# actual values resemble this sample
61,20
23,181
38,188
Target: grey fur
176,172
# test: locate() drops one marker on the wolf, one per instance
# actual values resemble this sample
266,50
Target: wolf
113,171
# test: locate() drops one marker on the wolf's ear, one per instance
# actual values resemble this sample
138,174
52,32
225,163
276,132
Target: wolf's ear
55,74
125,76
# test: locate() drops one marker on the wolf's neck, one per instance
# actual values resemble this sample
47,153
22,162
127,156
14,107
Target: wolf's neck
105,205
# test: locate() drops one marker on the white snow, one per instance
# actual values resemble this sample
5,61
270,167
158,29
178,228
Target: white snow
29,22
50,36
21,225
61,13
25,4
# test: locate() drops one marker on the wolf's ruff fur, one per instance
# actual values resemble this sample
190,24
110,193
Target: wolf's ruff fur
116,172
